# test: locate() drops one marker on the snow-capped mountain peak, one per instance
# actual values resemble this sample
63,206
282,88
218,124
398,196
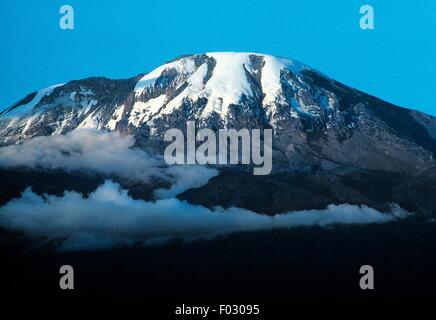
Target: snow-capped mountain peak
317,121
229,80
215,82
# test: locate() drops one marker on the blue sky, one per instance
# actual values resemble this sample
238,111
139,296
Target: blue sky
120,39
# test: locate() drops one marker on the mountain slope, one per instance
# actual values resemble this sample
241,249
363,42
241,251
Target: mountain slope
331,143
317,122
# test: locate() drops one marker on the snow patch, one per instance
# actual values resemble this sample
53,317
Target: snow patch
228,82
183,66
116,116
192,91
270,80
92,121
25,109
143,111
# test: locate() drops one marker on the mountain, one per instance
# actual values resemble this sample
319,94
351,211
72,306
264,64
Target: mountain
331,143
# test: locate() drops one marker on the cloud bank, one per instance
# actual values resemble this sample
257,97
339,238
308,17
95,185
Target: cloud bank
103,152
83,149
110,217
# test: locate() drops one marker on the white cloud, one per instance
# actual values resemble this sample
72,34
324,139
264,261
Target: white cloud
110,217
82,149
185,177
103,152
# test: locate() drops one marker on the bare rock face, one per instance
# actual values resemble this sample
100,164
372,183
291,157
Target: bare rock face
324,132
